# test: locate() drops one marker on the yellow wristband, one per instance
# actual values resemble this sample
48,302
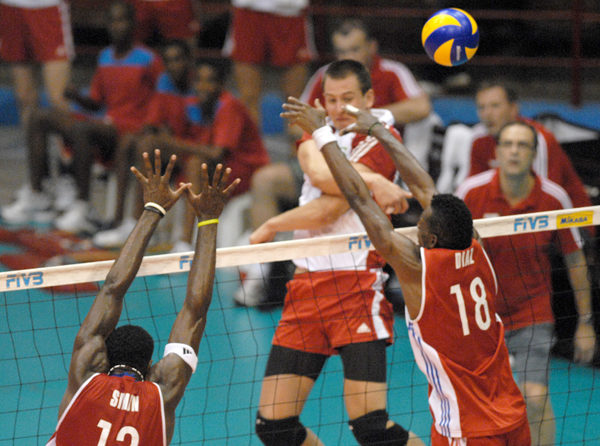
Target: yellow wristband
212,221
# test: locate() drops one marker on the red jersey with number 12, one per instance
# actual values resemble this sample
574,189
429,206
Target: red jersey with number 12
458,343
113,411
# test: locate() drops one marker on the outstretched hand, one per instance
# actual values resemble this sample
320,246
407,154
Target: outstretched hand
307,117
156,187
364,121
209,203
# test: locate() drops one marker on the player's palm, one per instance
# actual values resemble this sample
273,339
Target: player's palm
213,196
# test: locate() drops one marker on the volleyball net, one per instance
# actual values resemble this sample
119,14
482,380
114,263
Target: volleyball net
42,309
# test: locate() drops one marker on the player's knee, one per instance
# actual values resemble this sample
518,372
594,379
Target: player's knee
371,429
288,431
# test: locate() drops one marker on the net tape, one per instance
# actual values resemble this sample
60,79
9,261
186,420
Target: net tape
287,250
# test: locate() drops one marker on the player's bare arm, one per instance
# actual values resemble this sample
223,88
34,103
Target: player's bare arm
418,180
89,350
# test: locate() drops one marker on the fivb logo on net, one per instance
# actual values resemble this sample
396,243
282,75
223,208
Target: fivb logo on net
24,279
359,242
530,223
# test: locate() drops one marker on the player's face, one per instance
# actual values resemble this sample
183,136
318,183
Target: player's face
340,92
423,231
176,63
494,109
354,46
206,84
515,151
121,26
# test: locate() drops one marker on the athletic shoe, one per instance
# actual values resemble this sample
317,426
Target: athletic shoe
75,219
252,292
64,191
181,246
29,205
114,238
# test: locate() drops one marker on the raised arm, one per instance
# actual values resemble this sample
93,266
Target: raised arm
416,178
173,372
89,349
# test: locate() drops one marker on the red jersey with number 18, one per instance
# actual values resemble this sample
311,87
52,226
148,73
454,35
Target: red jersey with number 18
110,410
458,343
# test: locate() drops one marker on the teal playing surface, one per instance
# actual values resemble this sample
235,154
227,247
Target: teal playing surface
37,330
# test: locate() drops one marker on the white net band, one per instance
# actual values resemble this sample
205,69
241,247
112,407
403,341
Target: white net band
288,250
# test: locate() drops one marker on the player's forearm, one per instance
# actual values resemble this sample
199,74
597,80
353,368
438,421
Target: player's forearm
578,275
417,179
410,110
314,215
130,258
202,271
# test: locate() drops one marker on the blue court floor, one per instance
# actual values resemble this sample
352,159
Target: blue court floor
37,330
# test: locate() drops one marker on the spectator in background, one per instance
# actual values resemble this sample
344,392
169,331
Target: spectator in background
123,85
172,19
497,105
219,129
167,116
272,33
394,85
522,262
37,33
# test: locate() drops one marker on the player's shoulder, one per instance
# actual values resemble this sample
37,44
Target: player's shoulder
475,183
480,132
554,194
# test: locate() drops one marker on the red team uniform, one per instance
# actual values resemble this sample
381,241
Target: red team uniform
340,300
173,19
125,86
270,31
524,280
472,393
233,129
35,31
167,107
113,410
550,162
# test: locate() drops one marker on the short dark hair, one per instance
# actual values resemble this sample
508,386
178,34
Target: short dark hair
341,69
178,43
130,345
522,124
511,93
451,222
129,9
220,66
346,26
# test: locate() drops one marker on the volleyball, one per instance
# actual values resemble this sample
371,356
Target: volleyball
450,37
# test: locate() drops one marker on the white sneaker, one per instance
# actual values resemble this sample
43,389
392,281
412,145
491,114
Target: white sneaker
114,238
64,191
28,205
181,246
252,292
75,218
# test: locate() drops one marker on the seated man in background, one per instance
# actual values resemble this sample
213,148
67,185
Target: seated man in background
219,128
166,115
123,85
497,105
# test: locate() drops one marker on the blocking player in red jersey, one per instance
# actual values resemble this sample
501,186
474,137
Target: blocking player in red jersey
123,85
472,395
524,273
113,393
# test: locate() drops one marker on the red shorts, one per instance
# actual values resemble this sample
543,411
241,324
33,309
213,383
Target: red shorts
517,437
324,311
261,38
35,35
174,19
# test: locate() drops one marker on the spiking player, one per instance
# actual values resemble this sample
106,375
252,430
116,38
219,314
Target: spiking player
113,394
449,287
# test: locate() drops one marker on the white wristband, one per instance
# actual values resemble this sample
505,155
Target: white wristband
185,352
323,136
